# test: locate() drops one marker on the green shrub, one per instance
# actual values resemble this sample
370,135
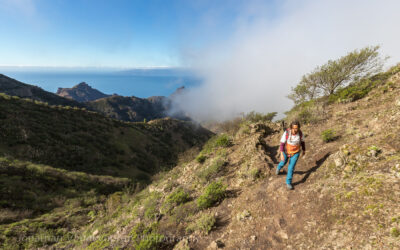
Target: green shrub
99,244
305,112
151,205
146,237
223,141
179,196
182,212
354,91
328,135
211,170
204,224
150,242
201,158
375,148
213,193
245,128
395,232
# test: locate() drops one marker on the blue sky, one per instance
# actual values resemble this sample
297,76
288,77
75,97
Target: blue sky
253,51
105,33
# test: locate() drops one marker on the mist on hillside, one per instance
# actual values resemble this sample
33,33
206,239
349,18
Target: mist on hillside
256,67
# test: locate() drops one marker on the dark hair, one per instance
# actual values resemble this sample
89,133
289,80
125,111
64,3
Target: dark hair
295,123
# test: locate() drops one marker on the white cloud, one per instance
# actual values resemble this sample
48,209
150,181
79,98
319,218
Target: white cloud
255,68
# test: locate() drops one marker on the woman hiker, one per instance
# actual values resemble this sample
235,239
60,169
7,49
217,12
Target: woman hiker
291,140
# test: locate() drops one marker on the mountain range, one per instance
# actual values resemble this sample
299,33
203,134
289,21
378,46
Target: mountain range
126,108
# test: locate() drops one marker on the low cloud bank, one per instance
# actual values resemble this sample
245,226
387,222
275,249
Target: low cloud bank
254,68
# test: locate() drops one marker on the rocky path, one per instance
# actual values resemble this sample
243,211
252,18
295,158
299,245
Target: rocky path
267,215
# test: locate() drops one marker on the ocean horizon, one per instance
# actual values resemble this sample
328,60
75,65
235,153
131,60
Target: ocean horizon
141,83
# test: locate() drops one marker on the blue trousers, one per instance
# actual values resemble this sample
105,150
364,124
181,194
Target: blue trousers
292,164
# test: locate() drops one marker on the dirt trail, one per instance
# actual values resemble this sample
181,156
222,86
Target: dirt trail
346,192
267,215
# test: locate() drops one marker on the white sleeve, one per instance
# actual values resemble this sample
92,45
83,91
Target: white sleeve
283,139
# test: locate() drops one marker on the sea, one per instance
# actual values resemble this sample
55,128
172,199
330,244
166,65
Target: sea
141,83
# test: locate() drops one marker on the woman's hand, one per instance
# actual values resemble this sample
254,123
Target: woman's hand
282,157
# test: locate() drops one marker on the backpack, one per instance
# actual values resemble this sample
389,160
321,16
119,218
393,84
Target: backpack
287,134
287,137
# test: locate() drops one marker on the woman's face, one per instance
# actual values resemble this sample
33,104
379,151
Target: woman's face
295,129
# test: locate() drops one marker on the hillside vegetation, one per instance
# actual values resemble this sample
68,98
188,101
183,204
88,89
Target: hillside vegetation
79,140
129,108
61,167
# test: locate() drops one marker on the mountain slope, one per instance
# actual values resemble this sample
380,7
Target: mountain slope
59,165
227,195
346,191
80,140
28,190
13,87
128,108
81,92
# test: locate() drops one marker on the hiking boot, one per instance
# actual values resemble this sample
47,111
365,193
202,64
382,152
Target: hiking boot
277,171
289,186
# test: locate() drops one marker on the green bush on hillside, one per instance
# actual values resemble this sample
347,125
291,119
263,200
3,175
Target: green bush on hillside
213,169
151,205
204,224
179,196
305,112
328,135
146,237
360,89
222,140
201,158
213,193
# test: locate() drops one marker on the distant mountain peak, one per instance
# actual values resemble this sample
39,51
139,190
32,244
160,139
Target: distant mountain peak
178,92
81,92
82,84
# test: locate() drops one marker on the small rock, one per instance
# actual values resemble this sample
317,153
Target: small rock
348,168
182,245
243,215
338,161
283,234
95,232
216,244
253,237
398,103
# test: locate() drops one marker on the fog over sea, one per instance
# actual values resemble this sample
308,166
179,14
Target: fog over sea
132,82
